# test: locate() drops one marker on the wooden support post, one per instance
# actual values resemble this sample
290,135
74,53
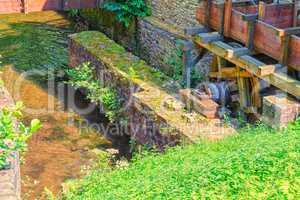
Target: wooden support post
219,61
227,17
207,13
255,95
25,6
221,12
251,19
295,13
261,10
242,89
187,61
284,49
230,73
214,64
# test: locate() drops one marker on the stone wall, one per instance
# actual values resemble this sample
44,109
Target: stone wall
104,21
10,180
155,39
160,44
179,13
155,116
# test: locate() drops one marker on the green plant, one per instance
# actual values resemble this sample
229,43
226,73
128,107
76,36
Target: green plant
175,60
82,76
127,10
13,138
73,13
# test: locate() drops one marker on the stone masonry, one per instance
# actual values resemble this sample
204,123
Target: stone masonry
155,116
159,44
279,110
177,13
10,180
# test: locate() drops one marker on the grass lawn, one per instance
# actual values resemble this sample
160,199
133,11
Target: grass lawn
260,163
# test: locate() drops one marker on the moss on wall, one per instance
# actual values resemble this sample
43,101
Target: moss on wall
104,21
156,97
116,56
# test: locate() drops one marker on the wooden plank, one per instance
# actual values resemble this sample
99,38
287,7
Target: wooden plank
195,30
229,72
289,31
237,52
209,37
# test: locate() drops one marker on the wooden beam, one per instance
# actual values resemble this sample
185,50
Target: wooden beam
195,30
210,37
288,31
237,52
229,72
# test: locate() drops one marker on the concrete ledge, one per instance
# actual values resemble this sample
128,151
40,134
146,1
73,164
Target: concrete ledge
10,180
154,113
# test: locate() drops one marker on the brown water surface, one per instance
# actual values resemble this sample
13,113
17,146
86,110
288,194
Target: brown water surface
59,150
37,42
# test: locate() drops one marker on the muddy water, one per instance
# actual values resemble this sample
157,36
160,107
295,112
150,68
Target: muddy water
59,150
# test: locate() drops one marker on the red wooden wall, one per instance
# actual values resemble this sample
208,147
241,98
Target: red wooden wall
266,29
11,6
17,6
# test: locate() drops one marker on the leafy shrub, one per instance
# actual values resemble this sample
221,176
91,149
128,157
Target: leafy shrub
127,10
73,13
82,76
13,138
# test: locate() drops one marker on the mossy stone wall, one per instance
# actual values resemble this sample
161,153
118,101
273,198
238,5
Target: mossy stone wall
154,113
104,21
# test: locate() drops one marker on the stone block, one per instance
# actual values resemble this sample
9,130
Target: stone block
279,110
206,107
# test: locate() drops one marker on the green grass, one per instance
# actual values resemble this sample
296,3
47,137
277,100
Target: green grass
260,163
